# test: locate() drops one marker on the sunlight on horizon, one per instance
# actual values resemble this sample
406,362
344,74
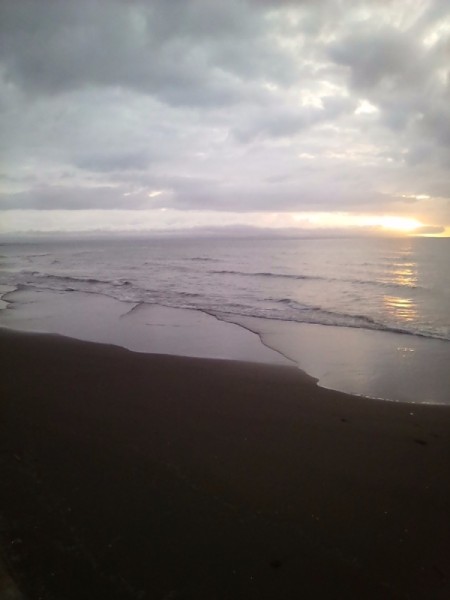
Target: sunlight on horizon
406,224
172,220
344,220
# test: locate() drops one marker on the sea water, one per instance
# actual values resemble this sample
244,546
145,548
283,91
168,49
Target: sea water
368,316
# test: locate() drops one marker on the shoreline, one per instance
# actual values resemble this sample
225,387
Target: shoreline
165,476
371,364
289,362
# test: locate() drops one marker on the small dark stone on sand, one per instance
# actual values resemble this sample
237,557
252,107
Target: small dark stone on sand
421,442
344,420
275,564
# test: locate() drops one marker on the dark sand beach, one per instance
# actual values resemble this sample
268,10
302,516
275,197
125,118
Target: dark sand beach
129,475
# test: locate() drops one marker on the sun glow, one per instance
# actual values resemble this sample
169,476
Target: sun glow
371,222
405,224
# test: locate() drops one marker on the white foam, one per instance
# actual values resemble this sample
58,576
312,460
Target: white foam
145,328
374,364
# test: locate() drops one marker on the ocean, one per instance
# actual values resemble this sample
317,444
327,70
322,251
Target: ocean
364,299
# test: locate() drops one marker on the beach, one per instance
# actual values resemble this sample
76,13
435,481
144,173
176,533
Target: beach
131,475
224,300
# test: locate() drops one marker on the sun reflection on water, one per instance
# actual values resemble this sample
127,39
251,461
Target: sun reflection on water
405,275
403,309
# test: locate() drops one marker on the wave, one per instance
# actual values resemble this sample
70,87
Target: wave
80,279
281,308
320,316
74,279
302,277
268,274
202,259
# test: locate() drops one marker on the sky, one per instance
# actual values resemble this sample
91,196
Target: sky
174,115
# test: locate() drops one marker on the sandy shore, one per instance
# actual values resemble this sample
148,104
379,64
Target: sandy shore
128,475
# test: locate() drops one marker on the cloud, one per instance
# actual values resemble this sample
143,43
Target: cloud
429,230
185,53
382,58
287,121
405,77
115,161
66,198
239,106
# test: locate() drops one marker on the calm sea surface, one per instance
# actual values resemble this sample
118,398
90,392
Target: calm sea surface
383,305
400,285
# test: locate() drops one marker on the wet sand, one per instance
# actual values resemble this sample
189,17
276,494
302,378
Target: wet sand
129,475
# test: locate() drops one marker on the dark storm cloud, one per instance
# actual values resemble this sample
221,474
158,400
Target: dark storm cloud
193,104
